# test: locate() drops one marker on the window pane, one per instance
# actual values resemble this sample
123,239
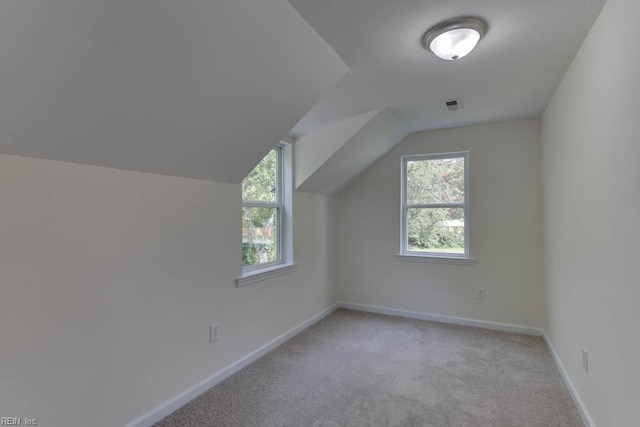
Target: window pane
435,181
259,235
261,183
436,230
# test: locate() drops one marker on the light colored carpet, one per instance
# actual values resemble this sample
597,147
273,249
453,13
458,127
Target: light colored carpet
360,369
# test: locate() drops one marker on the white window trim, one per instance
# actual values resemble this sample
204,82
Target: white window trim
285,263
265,273
435,257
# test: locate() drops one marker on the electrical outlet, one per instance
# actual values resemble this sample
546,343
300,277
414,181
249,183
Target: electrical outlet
585,360
482,293
213,332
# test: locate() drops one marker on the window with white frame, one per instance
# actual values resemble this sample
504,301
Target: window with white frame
267,213
435,205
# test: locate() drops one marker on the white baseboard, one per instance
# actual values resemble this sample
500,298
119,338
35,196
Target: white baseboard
573,391
166,408
505,327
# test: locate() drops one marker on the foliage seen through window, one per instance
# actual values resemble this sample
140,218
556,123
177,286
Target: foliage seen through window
262,212
435,204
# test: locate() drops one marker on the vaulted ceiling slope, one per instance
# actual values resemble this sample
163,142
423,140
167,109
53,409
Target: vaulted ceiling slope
328,160
193,88
510,75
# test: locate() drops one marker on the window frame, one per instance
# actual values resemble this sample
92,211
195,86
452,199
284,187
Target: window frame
424,256
284,211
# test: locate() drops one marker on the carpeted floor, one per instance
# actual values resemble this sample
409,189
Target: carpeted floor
360,369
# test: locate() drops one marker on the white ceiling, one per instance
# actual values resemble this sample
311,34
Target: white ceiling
204,88
329,160
511,74
194,88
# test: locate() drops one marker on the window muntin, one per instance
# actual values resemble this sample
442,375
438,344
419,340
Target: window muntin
435,205
262,213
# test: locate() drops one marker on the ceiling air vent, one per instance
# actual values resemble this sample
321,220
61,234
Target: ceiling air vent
454,104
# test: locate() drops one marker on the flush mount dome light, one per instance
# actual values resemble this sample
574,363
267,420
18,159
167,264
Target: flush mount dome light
455,38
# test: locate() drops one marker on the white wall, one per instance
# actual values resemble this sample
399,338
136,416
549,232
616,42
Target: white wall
313,149
110,279
505,224
327,161
591,150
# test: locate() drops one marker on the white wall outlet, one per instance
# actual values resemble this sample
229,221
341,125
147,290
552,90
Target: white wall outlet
213,332
481,294
585,360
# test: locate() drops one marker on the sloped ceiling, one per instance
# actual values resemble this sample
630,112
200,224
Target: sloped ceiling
510,75
204,88
314,149
328,160
193,88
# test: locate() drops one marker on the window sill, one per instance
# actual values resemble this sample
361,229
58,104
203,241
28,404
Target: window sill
443,259
264,274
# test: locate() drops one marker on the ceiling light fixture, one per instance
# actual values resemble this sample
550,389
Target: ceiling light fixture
455,38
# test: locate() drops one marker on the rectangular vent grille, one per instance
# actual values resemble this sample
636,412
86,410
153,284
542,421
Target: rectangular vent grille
454,104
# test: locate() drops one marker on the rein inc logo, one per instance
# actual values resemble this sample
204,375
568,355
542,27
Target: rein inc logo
18,421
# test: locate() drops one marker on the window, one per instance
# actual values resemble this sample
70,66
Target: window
266,217
435,206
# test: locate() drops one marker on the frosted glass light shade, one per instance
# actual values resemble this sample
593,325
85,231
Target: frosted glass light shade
455,44
454,39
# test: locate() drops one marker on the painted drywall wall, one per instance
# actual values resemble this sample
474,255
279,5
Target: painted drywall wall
110,279
314,149
336,165
591,178
505,230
